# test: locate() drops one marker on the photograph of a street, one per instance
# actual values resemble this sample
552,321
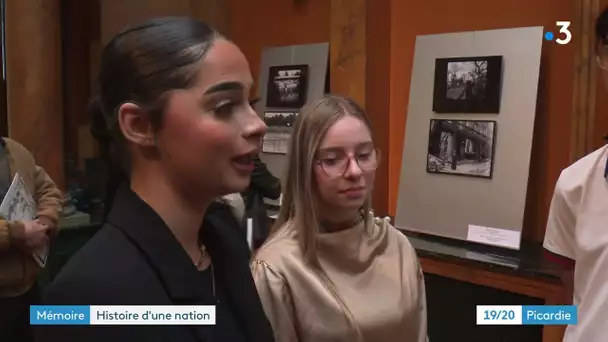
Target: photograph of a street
461,147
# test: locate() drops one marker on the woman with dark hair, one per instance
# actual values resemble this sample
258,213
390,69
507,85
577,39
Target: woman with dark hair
173,106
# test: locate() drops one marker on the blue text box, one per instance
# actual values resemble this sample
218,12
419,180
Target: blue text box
549,315
60,315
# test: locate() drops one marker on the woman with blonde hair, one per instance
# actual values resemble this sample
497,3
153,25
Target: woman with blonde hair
331,271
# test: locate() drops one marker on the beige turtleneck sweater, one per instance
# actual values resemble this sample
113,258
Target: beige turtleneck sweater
375,272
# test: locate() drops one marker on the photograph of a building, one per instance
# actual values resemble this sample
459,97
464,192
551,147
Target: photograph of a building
461,147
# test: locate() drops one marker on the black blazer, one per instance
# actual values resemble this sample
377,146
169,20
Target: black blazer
135,260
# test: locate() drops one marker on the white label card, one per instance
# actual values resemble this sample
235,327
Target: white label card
494,236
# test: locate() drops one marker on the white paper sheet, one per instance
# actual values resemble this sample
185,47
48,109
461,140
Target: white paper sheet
19,204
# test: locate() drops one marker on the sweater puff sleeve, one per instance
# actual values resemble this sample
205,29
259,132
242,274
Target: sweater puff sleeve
276,300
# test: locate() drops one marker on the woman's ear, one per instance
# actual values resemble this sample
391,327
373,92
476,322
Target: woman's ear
135,125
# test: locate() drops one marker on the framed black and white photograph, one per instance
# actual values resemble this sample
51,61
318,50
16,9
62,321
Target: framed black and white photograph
461,147
280,127
287,86
467,85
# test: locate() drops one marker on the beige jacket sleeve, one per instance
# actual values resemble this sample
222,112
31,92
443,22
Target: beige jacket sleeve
48,198
5,236
276,300
5,233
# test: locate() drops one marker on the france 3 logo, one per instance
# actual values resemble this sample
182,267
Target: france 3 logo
563,37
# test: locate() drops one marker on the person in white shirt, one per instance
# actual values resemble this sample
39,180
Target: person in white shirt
577,228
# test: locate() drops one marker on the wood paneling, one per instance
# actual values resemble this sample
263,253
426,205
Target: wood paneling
378,83
118,14
34,86
585,74
347,49
213,12
79,19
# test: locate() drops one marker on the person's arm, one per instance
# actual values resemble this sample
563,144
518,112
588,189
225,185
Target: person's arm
422,335
48,198
45,191
276,300
559,241
263,181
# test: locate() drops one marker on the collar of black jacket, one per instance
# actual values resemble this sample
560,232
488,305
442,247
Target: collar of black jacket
225,243
149,233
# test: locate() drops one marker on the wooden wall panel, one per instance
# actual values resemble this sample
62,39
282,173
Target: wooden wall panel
118,14
213,12
347,49
378,83
78,18
585,77
34,80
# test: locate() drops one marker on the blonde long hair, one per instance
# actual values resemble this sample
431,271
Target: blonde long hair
299,208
